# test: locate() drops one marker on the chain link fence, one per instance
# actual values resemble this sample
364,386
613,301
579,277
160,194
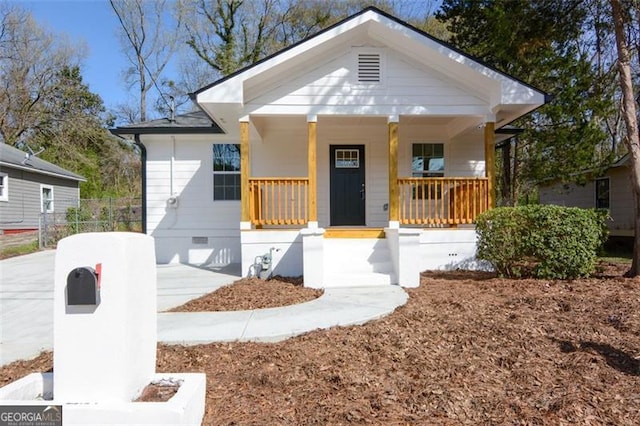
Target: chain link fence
74,216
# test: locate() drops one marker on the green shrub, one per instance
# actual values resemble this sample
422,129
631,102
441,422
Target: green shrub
541,241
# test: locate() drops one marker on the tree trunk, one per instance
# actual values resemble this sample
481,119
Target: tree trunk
631,121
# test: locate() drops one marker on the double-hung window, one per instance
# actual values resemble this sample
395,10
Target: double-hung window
46,199
602,193
226,172
4,187
427,160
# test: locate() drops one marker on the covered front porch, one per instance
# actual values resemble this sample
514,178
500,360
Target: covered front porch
363,204
356,178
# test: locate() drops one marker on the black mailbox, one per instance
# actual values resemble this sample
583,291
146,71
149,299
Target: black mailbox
82,287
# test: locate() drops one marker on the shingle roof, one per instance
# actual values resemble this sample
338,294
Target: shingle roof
17,159
191,122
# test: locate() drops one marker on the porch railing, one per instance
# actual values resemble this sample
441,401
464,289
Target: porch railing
278,201
442,201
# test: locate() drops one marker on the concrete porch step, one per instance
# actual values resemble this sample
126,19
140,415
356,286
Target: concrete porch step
357,262
359,266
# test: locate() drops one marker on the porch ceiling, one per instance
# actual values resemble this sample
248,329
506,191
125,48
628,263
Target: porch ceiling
455,125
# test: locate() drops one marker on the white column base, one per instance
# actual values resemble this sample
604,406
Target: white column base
313,257
404,244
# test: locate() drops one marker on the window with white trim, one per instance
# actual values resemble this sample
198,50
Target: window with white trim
602,193
427,160
46,199
226,172
4,187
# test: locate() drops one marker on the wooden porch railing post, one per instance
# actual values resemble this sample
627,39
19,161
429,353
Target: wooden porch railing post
394,200
490,161
245,215
312,165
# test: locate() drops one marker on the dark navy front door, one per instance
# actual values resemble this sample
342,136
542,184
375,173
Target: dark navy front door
347,185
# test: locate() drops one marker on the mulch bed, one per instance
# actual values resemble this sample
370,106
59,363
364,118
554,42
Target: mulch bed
468,348
252,293
158,392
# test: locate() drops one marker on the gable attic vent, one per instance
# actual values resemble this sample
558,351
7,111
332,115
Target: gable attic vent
368,67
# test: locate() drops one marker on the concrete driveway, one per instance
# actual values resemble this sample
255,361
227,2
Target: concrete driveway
26,299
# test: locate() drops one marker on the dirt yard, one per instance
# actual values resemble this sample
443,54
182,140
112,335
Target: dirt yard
467,348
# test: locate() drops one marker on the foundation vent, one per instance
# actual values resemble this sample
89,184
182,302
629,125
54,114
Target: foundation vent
199,240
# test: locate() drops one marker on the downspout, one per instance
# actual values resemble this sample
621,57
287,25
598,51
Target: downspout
172,165
143,172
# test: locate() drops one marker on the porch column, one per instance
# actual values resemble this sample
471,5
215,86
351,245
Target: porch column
394,199
312,121
490,161
245,218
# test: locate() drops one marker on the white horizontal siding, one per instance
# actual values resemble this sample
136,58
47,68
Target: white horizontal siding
197,214
332,88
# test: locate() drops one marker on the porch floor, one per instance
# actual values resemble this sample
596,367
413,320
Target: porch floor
353,232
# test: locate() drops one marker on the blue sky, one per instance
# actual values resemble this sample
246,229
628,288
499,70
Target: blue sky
94,22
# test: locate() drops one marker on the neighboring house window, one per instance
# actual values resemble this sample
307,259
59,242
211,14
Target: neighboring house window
602,193
46,199
226,172
4,187
427,160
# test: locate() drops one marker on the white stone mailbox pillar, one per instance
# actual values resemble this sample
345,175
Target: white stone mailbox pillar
105,351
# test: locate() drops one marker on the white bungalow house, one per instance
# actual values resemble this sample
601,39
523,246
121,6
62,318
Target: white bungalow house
355,157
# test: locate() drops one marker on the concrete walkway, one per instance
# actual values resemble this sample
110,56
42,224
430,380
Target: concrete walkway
336,307
26,308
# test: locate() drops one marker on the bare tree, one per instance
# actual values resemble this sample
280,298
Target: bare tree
632,138
149,37
30,60
230,34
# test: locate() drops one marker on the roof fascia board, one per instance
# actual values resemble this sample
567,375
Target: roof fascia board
42,172
231,89
123,131
195,94
460,67
452,48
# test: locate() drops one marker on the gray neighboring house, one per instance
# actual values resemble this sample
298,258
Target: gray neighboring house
611,191
30,186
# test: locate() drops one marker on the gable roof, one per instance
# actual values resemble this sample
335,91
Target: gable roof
505,94
189,123
373,9
622,161
17,159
